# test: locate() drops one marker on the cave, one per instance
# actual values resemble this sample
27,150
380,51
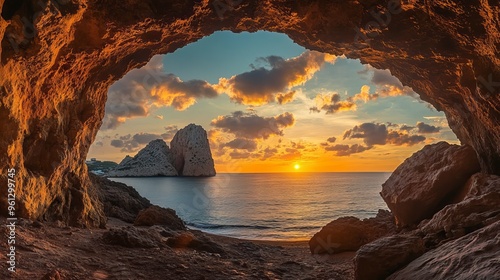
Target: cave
54,84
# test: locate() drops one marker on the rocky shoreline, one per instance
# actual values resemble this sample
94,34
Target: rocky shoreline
144,241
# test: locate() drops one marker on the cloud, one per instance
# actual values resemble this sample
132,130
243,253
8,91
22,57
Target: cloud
99,143
387,84
371,133
265,85
331,103
240,155
378,134
284,98
426,128
252,126
331,140
132,143
170,132
242,144
150,87
346,150
160,117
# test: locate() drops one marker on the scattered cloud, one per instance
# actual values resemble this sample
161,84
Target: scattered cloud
426,128
283,98
252,126
150,87
170,132
378,134
346,150
265,85
132,143
331,140
242,144
160,117
331,103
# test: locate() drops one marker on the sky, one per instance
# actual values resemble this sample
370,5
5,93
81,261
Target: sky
270,105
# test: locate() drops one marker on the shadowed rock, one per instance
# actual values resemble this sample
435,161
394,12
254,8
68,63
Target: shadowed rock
156,215
428,181
474,256
119,200
350,233
379,259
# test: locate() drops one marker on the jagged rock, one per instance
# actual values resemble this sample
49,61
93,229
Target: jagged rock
191,150
448,56
480,207
154,160
379,259
473,256
133,238
119,200
428,181
350,233
156,215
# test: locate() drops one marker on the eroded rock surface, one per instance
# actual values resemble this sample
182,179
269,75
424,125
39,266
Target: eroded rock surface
119,200
191,152
473,256
479,208
428,181
380,258
153,160
350,233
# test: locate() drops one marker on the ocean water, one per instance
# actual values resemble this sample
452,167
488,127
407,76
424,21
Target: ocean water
270,206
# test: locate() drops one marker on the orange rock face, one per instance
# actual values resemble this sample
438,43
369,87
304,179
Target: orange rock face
58,60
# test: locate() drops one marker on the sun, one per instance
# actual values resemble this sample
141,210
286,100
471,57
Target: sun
296,166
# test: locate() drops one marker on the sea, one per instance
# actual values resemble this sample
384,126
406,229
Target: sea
266,206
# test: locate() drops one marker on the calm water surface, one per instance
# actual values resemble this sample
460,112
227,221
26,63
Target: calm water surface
271,206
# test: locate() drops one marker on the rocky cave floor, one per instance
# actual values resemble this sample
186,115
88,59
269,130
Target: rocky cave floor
53,251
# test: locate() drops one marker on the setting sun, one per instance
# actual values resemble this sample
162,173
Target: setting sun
297,166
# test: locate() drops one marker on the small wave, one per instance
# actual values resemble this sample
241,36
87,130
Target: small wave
217,226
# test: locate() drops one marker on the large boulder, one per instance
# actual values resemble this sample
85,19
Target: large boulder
473,256
480,207
154,160
379,259
350,233
191,152
119,200
156,215
428,181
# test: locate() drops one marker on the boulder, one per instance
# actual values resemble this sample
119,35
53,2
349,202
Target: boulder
199,243
473,256
119,200
350,233
428,181
153,160
379,259
480,207
191,152
133,237
156,215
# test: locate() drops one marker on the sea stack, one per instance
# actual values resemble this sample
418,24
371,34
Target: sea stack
154,160
189,155
191,152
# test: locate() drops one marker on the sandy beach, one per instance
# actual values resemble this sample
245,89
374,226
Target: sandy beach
50,251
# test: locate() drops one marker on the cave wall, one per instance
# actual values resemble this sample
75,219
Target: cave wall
54,76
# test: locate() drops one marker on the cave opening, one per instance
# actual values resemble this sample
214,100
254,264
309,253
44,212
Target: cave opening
266,109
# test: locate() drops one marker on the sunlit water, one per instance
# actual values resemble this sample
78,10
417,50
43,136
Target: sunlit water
277,206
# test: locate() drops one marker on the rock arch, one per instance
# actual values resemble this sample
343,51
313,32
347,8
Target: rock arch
53,83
